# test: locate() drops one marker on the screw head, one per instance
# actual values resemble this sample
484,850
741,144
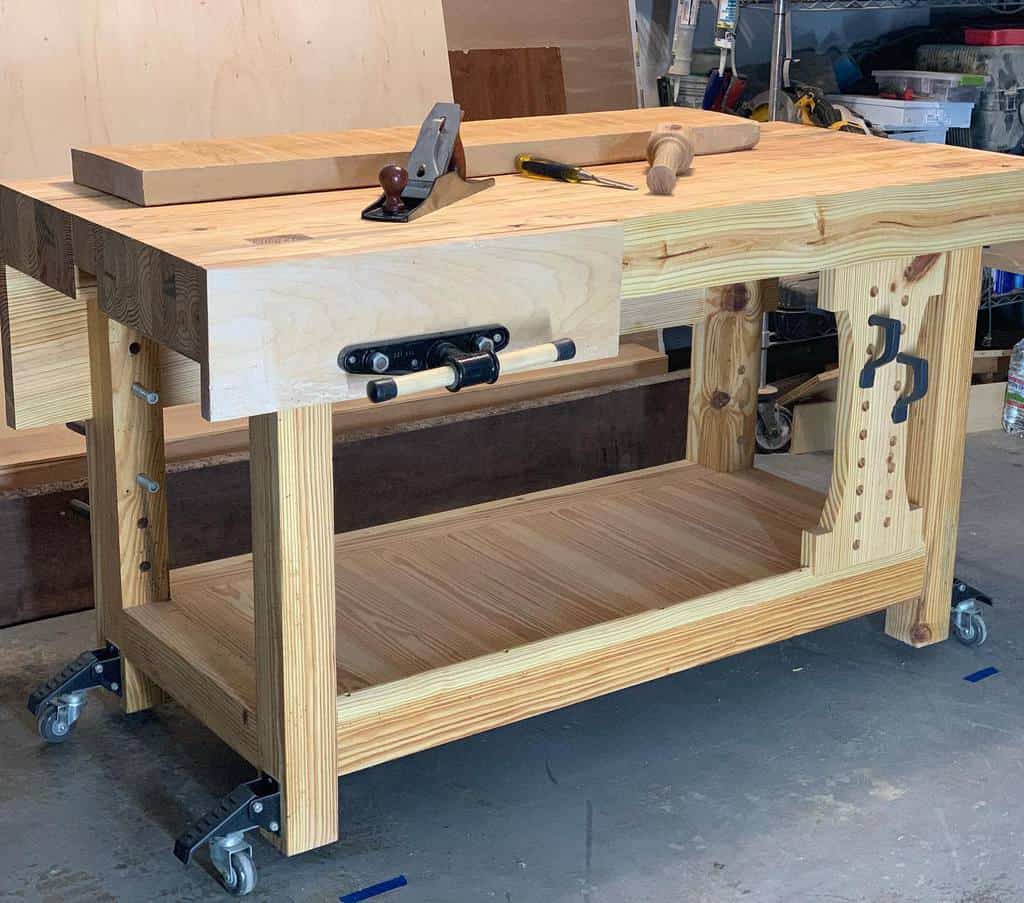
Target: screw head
257,807
379,362
115,686
351,358
274,827
59,728
497,337
97,669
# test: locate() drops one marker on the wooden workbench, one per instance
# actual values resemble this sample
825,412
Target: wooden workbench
319,655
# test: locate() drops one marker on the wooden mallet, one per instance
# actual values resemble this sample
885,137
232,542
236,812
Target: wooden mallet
670,153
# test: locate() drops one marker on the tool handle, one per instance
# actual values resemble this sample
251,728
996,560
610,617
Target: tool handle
541,168
670,153
389,387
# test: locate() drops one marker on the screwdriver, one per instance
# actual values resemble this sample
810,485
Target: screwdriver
539,168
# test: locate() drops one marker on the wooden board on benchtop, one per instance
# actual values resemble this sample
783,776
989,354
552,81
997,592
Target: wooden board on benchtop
187,172
494,451
500,84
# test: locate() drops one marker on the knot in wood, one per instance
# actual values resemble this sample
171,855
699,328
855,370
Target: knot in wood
921,634
735,297
720,399
919,266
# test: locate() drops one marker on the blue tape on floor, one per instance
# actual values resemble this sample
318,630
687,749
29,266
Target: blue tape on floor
357,895
981,675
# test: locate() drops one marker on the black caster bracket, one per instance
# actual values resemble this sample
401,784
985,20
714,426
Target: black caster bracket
256,804
968,623
57,704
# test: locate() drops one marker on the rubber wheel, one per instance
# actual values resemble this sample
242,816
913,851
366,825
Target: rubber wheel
243,875
50,728
975,633
775,442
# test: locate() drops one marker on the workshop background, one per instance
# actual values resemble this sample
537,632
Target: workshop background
839,766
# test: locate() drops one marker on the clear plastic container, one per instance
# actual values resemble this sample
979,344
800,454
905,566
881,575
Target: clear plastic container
1013,408
907,114
955,86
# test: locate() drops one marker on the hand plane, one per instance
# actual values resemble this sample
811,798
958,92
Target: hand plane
435,175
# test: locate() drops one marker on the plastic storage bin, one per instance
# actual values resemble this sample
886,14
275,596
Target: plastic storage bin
907,114
920,136
994,37
954,86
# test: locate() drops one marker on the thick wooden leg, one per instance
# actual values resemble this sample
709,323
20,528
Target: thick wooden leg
128,523
867,514
293,566
935,459
725,378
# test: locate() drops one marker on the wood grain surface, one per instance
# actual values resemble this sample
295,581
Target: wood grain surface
292,574
188,172
935,454
508,82
726,376
115,71
868,515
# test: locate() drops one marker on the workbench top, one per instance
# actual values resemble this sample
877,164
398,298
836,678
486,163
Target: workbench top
264,292
792,169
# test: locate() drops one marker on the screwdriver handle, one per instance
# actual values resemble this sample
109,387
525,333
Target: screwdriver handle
540,168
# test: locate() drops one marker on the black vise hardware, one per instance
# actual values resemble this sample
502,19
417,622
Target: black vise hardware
471,369
919,370
415,353
892,329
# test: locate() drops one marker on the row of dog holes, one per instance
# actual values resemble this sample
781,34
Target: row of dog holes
890,464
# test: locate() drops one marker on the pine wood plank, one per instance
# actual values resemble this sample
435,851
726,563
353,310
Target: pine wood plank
292,575
868,514
128,525
726,376
46,354
188,172
446,628
937,435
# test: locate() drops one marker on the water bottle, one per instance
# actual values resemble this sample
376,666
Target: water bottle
1013,410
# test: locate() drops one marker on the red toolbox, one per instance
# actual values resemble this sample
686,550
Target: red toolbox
994,37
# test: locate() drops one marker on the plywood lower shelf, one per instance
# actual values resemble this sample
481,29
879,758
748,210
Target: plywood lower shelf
457,622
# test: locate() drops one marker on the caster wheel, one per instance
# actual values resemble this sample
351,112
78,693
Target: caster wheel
53,728
774,430
241,877
971,630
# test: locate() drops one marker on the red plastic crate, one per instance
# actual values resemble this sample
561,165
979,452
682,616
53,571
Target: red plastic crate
994,37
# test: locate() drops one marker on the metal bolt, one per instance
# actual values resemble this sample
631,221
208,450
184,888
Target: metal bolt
497,337
351,358
257,807
147,395
379,362
147,484
484,343
273,827
414,363
115,686
59,728
98,669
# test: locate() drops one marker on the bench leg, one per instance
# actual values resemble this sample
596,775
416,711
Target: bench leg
128,522
293,568
725,376
937,437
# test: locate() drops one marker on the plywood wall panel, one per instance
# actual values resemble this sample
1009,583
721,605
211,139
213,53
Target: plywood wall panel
114,71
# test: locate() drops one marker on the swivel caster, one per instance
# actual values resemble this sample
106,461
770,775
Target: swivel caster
57,718
256,804
58,703
232,857
773,431
969,626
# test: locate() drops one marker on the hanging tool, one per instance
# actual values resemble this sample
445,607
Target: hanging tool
435,175
540,168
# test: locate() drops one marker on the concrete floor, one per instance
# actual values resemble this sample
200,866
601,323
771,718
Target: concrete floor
841,766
